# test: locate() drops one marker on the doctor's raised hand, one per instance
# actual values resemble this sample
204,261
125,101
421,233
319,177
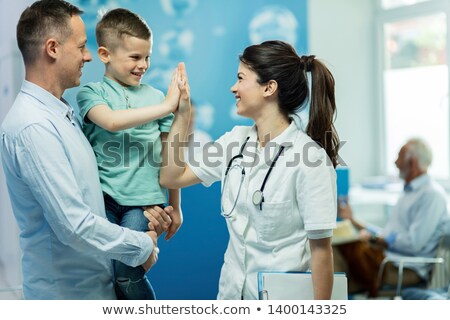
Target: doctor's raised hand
280,208
174,169
183,84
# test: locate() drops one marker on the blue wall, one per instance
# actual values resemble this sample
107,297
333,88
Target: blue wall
208,35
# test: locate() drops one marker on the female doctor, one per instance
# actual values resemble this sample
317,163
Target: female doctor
278,183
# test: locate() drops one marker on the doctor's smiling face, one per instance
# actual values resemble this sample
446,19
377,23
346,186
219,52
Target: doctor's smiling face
248,92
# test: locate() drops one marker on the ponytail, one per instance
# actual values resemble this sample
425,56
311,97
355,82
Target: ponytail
322,107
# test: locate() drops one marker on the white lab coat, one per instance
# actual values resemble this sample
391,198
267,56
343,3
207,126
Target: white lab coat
299,196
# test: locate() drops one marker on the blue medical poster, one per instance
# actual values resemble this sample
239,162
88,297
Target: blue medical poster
208,35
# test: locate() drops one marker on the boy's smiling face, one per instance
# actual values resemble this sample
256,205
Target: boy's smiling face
128,62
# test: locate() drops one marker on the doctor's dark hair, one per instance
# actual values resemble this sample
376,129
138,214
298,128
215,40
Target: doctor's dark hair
118,23
40,21
278,61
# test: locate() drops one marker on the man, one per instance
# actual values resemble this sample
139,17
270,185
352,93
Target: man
51,171
413,229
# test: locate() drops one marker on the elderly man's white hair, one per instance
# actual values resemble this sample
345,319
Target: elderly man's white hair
419,149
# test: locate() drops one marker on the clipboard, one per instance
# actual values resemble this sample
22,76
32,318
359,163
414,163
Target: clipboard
296,286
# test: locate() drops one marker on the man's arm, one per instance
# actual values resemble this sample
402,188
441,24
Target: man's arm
346,212
366,232
44,166
154,255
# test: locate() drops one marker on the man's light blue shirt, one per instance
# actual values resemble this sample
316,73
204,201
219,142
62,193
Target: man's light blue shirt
417,221
54,187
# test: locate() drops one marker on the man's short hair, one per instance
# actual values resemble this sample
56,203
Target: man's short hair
40,21
116,24
419,149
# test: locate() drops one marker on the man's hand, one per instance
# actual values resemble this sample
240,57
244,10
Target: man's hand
345,211
177,220
365,235
154,255
159,220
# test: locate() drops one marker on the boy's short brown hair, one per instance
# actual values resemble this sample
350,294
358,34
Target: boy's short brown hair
116,24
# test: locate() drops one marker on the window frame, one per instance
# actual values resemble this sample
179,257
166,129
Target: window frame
386,16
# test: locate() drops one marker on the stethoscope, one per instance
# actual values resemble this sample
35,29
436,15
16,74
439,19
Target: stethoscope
258,195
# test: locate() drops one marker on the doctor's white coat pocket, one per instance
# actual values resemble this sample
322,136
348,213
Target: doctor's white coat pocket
275,221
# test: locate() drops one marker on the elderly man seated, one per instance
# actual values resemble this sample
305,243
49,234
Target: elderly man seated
413,229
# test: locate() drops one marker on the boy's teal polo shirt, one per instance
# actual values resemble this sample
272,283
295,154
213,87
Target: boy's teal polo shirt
128,160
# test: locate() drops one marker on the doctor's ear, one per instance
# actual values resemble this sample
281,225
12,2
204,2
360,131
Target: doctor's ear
270,88
103,54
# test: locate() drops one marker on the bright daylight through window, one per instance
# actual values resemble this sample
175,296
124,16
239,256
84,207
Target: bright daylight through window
415,86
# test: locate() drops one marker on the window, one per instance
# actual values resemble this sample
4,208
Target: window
415,83
389,4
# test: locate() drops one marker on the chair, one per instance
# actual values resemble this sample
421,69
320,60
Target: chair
448,292
440,273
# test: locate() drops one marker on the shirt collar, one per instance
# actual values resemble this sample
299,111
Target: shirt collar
417,183
118,86
59,106
112,83
286,138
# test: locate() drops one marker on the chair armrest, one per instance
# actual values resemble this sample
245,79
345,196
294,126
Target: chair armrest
401,263
418,260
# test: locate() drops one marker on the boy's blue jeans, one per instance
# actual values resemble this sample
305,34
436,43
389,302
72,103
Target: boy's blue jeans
131,283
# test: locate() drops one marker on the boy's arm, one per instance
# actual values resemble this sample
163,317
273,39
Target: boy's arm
116,120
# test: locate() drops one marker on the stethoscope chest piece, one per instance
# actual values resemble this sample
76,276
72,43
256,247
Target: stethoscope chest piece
257,197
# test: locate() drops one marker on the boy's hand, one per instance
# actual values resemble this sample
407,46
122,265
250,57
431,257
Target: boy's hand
177,220
159,219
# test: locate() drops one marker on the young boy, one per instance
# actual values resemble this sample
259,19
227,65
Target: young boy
126,122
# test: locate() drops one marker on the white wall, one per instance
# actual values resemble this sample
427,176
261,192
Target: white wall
342,34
